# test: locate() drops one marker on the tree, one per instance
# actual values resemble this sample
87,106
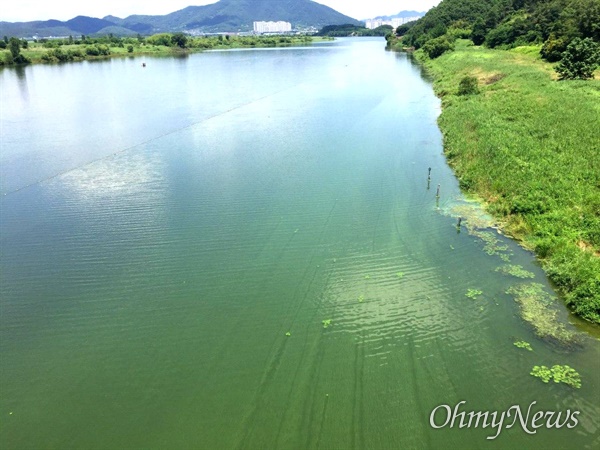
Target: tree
579,60
14,45
181,39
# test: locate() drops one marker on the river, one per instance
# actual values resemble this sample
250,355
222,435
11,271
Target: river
242,249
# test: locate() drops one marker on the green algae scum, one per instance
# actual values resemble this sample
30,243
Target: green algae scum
242,249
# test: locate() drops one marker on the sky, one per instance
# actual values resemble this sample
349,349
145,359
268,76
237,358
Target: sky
27,10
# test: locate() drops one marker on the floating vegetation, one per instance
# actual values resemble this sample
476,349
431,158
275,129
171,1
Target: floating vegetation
361,298
492,245
472,214
288,334
296,230
558,373
400,274
477,223
473,293
367,277
523,344
326,323
535,306
515,270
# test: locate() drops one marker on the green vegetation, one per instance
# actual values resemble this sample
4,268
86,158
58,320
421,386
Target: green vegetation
326,323
473,293
536,308
560,374
523,344
288,334
568,29
579,60
354,30
528,146
468,86
71,49
515,270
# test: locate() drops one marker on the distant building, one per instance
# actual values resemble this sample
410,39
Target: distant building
272,27
394,23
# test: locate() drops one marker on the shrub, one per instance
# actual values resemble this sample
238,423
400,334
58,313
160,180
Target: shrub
553,48
438,46
468,86
579,60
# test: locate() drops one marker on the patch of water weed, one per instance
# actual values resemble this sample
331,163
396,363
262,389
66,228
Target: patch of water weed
288,334
472,214
473,293
361,298
491,244
535,306
558,373
326,323
400,274
478,223
515,270
523,344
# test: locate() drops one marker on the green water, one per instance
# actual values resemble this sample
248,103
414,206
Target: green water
163,230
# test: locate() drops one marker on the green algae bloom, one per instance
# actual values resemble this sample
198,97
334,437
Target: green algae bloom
523,344
515,270
473,293
558,373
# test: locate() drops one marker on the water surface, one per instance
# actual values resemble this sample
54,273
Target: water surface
163,230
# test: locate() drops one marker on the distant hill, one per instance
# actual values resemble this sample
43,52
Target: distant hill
401,15
225,15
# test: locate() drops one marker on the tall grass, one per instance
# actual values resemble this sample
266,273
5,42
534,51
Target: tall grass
530,147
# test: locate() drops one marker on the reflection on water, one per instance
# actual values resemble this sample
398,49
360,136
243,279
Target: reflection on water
167,275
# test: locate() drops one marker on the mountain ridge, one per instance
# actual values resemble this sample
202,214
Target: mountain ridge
222,16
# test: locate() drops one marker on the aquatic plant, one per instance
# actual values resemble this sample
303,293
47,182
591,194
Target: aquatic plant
400,274
361,298
326,323
523,344
558,373
492,245
288,334
473,293
367,277
515,270
535,306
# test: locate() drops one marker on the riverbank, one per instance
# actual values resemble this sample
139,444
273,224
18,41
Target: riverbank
528,146
64,50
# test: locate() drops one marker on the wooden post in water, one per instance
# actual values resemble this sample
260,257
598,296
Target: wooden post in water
437,194
458,224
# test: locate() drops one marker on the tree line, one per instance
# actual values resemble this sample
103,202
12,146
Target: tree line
567,30
78,48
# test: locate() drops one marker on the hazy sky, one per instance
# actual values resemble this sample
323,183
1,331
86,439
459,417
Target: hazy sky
26,10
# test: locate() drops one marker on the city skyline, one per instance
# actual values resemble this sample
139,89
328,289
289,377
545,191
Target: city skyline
30,10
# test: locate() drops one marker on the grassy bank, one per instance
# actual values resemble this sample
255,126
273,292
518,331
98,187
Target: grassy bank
64,50
528,145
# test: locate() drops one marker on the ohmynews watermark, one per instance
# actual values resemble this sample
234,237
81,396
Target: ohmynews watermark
445,416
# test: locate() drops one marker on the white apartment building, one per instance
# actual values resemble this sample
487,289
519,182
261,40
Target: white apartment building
272,27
